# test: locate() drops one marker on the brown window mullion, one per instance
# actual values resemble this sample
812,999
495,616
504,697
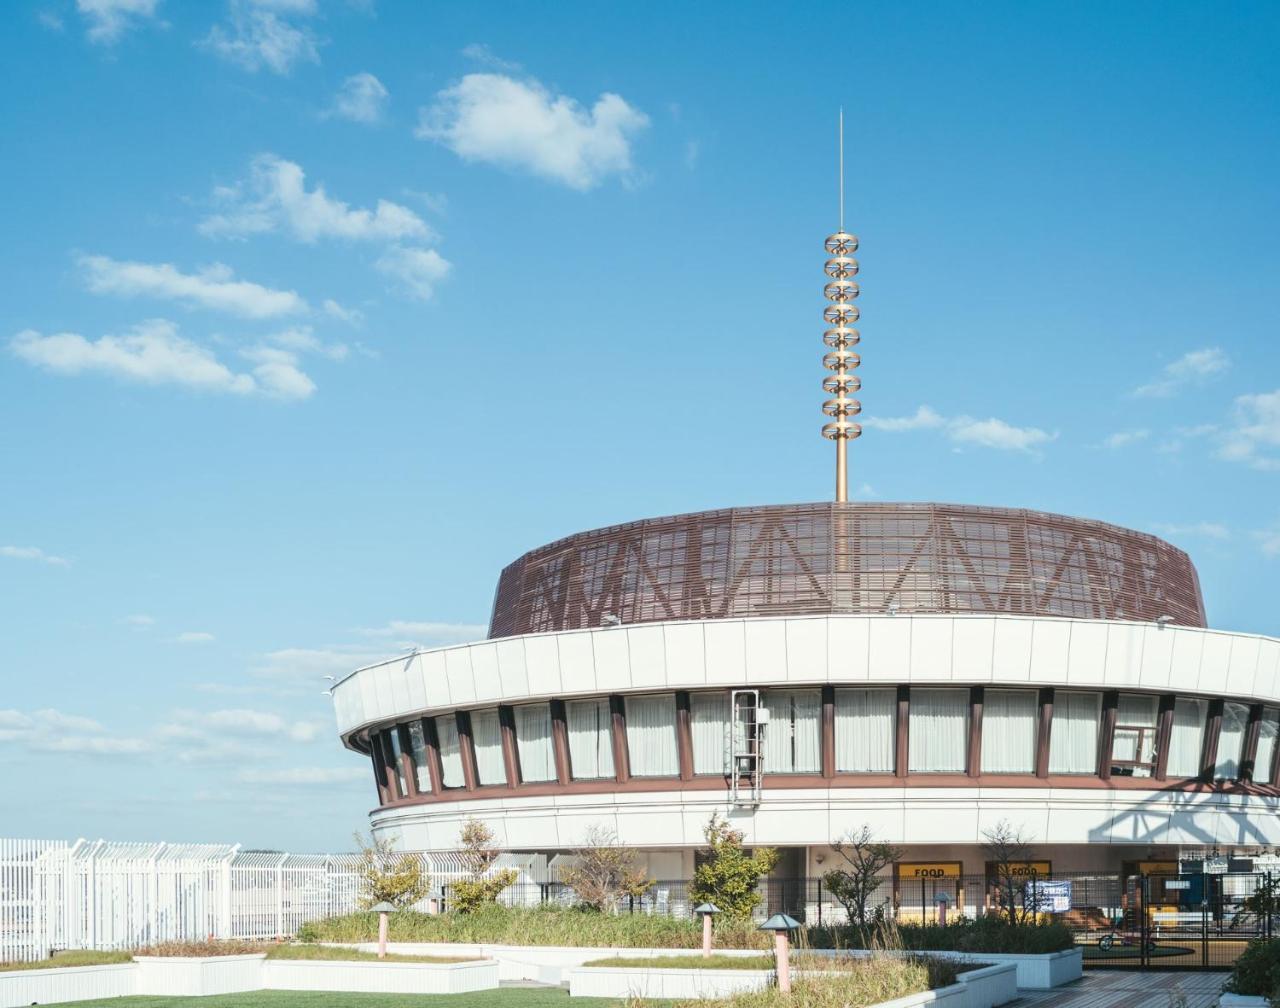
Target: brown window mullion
684,735
510,752
1107,732
973,766
435,769
828,727
1044,730
467,750
621,755
902,751
1212,729
1251,732
1164,733
407,770
560,741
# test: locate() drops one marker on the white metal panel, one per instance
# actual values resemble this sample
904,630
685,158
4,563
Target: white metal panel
1266,681
1011,651
457,667
542,659
766,651
1087,659
972,648
485,672
1215,657
889,649
511,666
685,655
725,644
1050,650
930,648
647,652
1154,667
806,650
435,679
578,662
1124,656
1185,661
612,658
847,642
1242,668
397,680
415,685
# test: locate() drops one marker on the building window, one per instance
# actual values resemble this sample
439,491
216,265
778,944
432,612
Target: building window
709,725
391,750
1267,731
486,740
939,730
533,742
590,739
1073,742
793,738
1009,731
1133,751
450,751
651,735
1235,720
418,747
866,728
1186,741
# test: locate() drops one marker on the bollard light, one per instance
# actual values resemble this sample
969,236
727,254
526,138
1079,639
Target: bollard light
782,925
705,911
383,910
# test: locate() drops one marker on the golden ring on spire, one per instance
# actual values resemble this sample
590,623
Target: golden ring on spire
841,267
841,383
841,290
841,244
841,314
840,360
841,337
839,430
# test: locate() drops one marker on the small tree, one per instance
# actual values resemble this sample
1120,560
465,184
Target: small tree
729,875
605,872
385,875
1008,848
479,853
865,858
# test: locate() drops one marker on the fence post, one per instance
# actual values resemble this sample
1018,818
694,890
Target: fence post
819,901
280,897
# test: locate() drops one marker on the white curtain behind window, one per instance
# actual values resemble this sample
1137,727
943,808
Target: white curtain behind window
418,746
533,742
866,720
1235,719
450,751
1009,731
1073,742
651,735
709,724
793,739
590,739
939,730
1267,731
1187,737
486,737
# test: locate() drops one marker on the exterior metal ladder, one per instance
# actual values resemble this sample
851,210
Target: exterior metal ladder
746,747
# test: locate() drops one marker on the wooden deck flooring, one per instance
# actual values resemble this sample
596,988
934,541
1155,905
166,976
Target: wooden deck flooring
1130,989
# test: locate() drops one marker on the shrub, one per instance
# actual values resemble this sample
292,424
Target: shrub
605,872
729,876
204,949
1257,970
716,962
865,858
479,854
74,957
331,953
384,875
989,933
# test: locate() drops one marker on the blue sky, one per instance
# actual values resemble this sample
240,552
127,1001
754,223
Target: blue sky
318,313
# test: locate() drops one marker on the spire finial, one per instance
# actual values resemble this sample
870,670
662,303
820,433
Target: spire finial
840,315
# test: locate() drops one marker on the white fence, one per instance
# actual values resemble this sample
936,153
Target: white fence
104,895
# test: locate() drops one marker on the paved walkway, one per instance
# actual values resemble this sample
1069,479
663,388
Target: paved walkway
1130,989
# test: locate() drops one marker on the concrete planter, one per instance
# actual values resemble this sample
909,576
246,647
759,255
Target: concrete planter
198,976
986,987
380,977
1226,1000
19,988
1035,972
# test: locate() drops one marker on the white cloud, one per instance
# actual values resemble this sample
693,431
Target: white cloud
361,99
141,620
418,270
334,310
153,353
277,199
1254,437
195,637
212,287
426,633
482,54
50,730
1200,530
1270,541
309,666
258,37
108,20
965,430
33,553
303,340
1122,439
1192,367
521,124
210,727
305,775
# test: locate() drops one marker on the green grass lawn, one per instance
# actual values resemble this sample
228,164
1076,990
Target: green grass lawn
509,997
74,958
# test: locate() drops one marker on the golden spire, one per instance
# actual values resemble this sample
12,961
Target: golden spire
840,315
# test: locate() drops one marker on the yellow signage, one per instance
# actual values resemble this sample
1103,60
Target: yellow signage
1157,867
1040,869
928,869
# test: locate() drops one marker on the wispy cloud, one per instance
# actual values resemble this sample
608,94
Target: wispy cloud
418,271
1123,439
480,53
426,633
521,124
967,431
361,98
107,20
33,553
153,353
213,287
1253,438
262,34
305,775
140,620
275,197
50,730
1191,368
195,637
1199,530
